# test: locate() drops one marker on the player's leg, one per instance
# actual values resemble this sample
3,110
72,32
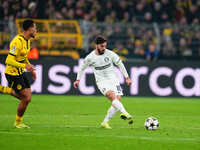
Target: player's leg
13,93
103,87
8,90
115,101
110,113
118,105
20,88
112,91
25,99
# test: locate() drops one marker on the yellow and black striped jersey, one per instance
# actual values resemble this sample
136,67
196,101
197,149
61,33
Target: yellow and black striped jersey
17,57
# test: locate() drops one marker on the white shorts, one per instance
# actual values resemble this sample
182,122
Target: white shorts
106,86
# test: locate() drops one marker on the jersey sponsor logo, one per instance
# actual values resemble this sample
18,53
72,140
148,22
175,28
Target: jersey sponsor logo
13,49
106,59
92,64
103,67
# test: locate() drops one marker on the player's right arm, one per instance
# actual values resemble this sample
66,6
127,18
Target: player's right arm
83,66
15,46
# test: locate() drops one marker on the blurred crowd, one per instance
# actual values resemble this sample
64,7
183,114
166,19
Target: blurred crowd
176,32
148,11
149,41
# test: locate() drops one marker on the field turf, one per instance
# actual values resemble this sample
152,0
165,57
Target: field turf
72,123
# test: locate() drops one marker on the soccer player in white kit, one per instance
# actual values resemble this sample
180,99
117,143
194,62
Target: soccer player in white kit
102,62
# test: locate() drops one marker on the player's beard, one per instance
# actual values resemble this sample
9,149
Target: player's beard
32,35
100,52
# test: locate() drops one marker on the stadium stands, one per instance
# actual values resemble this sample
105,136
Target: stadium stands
131,26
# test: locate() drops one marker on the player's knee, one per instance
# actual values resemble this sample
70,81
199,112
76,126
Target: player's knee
119,97
27,98
111,95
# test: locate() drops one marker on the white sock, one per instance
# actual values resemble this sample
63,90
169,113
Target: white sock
111,112
117,104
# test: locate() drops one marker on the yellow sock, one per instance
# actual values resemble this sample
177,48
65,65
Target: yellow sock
5,89
18,120
8,90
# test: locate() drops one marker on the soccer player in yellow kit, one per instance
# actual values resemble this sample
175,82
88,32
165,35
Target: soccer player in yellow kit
16,63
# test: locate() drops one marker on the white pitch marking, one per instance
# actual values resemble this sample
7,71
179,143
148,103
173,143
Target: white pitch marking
103,136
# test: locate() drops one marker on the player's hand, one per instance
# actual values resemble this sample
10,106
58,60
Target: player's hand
128,81
33,75
30,68
76,83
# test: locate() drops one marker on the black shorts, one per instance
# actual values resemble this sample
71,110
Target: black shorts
18,83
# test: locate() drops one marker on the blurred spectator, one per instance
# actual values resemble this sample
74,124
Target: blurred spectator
121,51
64,12
167,32
70,14
167,8
169,50
156,10
179,13
33,13
175,36
126,17
148,17
121,9
24,13
1,12
116,35
139,48
183,48
191,13
151,52
164,18
69,4
139,12
195,44
106,10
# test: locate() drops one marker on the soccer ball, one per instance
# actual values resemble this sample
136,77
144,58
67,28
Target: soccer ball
151,123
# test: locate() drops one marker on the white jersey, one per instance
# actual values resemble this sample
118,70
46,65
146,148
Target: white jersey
103,68
103,65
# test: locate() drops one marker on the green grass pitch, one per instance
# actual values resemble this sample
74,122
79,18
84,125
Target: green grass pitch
72,123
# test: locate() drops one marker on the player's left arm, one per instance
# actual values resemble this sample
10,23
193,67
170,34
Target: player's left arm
117,61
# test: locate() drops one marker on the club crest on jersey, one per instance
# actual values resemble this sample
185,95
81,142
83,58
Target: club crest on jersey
106,59
19,86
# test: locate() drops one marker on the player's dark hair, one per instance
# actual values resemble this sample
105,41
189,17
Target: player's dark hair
100,39
27,24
